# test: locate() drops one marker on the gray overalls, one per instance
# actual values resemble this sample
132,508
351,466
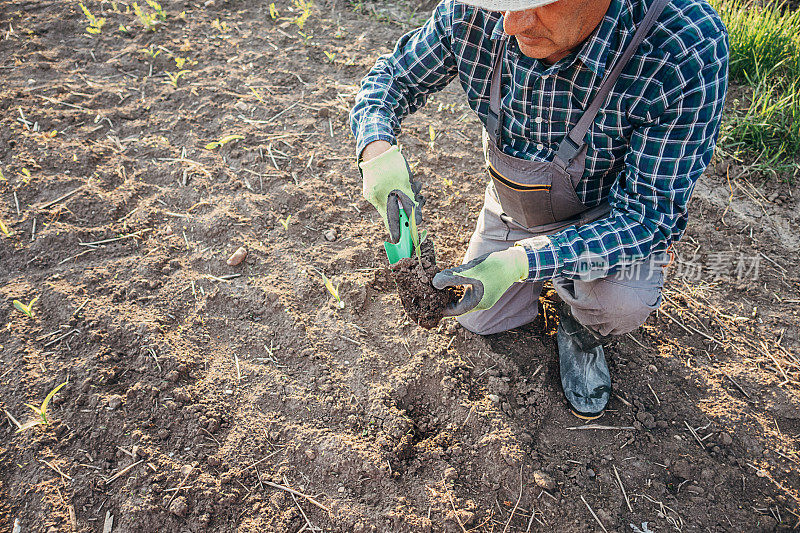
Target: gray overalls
529,198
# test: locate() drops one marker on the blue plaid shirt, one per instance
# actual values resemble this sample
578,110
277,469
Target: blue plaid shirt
650,142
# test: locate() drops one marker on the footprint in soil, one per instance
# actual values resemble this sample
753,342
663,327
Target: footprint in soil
423,303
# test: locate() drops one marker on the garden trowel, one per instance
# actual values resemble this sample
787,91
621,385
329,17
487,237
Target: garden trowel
405,246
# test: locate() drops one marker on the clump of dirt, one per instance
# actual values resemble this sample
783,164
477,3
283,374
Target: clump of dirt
423,303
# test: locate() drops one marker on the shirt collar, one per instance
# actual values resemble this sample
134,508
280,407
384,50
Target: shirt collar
594,51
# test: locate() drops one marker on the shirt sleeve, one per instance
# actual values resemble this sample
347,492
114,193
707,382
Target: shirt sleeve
649,199
421,63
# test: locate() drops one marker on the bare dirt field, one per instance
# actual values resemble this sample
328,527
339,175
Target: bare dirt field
198,392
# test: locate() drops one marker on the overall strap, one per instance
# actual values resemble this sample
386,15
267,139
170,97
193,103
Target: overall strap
494,119
573,142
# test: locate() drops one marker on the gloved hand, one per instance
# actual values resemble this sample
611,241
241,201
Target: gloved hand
387,179
487,277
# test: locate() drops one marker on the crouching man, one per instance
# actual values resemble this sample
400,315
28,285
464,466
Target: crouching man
599,116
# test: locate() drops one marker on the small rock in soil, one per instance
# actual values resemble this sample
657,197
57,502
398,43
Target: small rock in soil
238,256
330,235
681,469
115,401
646,419
543,480
179,507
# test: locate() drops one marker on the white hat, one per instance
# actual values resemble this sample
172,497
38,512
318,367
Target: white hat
507,5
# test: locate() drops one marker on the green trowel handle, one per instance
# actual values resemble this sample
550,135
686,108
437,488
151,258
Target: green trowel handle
405,246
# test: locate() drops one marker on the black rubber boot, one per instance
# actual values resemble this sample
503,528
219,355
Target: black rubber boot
585,379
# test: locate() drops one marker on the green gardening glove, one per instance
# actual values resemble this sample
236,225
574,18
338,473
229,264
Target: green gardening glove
387,180
488,277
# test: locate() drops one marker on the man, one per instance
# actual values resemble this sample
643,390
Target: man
599,117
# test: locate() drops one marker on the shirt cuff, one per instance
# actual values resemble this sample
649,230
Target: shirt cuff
370,131
543,260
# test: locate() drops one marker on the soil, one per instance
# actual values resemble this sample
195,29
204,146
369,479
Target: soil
423,303
197,389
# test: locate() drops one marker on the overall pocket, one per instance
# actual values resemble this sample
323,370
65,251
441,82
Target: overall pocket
527,203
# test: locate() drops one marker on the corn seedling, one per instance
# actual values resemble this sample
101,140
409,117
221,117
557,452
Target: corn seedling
2,177
447,182
285,222
273,11
150,52
432,136
26,310
4,229
305,11
258,96
306,36
174,77
221,27
149,20
95,24
181,61
223,141
416,237
162,16
331,56
333,290
40,411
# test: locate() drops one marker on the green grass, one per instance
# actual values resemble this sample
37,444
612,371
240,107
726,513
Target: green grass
764,39
764,123
767,125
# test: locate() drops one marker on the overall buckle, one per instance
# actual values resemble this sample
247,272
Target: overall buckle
494,124
567,150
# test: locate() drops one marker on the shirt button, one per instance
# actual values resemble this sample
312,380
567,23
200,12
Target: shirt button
540,147
538,120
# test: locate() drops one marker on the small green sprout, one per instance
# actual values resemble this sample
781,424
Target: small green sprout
26,172
174,77
447,182
41,411
331,56
306,36
273,11
223,141
285,223
2,177
149,20
95,24
157,8
305,11
4,229
333,290
124,29
181,61
26,310
221,27
416,238
258,96
432,136
150,52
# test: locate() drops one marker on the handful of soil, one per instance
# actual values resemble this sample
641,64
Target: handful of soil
423,303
